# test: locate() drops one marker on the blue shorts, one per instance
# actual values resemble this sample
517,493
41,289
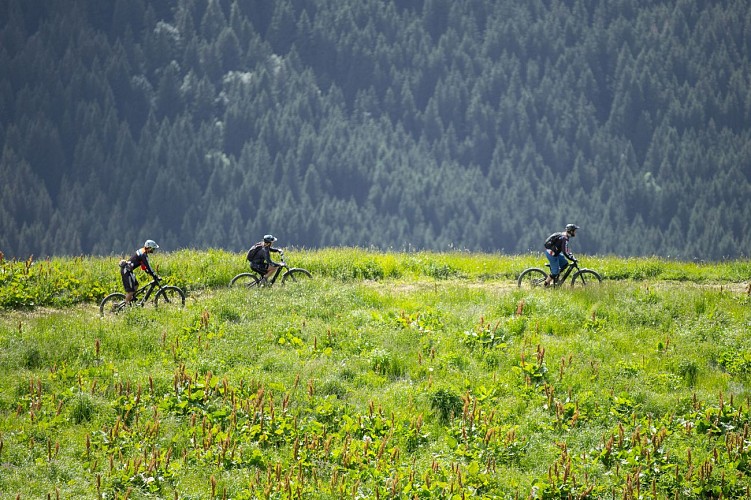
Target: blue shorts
557,262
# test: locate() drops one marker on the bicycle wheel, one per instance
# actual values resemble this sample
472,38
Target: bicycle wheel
531,278
295,275
112,304
169,296
248,280
585,277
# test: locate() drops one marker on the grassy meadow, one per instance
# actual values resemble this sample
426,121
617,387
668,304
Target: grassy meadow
391,375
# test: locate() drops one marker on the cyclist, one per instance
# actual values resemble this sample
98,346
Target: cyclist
139,259
259,256
557,251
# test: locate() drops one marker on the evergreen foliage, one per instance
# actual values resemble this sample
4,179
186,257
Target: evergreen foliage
479,124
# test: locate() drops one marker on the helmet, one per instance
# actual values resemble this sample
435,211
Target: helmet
269,238
570,228
151,244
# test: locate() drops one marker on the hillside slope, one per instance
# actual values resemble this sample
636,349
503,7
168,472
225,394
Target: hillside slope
389,375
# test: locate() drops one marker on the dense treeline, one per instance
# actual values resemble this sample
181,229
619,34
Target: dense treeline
481,124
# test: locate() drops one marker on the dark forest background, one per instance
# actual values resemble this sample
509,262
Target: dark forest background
424,124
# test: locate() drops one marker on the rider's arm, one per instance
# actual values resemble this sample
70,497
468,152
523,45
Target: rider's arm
281,254
146,266
567,251
267,256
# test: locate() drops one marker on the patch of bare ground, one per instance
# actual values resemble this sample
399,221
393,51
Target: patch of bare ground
424,285
402,287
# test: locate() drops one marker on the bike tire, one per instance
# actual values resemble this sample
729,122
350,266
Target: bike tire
531,278
112,304
169,296
247,280
296,274
584,277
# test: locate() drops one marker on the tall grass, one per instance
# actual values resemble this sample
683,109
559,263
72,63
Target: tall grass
65,281
391,375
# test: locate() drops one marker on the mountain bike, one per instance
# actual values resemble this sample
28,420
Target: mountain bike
165,296
535,276
256,279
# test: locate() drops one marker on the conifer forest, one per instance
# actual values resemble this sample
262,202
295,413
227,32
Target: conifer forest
390,124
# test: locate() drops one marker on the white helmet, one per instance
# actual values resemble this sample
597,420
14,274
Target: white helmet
151,244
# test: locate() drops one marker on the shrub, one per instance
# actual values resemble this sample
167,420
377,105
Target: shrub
446,404
82,408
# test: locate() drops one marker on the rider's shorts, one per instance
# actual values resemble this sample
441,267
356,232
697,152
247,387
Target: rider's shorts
557,262
260,268
130,283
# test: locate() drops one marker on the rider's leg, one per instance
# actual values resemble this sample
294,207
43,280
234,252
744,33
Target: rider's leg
554,267
130,283
270,273
261,271
562,265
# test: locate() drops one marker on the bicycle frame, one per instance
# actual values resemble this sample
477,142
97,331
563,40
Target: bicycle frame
569,269
151,285
278,270
257,278
276,273
536,276
153,290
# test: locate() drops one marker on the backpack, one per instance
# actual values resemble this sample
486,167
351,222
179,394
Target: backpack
254,251
550,243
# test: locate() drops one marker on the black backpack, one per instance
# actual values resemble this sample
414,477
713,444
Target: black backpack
254,251
550,243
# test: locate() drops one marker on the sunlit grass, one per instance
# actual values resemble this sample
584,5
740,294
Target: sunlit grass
437,361
65,281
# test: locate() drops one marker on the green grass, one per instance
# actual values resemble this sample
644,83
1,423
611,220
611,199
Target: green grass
390,376
66,281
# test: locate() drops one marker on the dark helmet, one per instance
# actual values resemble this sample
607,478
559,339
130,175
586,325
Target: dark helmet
269,238
571,228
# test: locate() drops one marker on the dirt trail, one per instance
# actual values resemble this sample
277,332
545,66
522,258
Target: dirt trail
406,287
509,285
